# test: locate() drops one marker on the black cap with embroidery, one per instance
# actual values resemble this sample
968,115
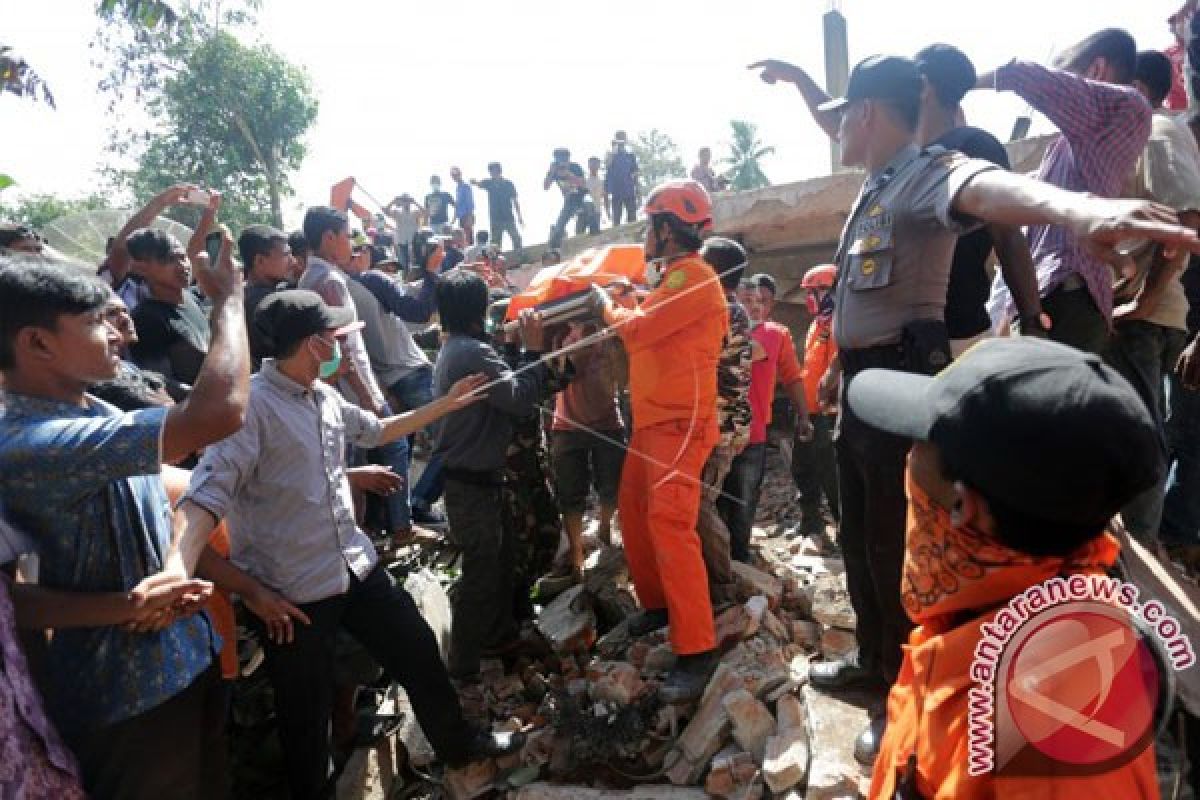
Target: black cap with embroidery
880,78
1042,427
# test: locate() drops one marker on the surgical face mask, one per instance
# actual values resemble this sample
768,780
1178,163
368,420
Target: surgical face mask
329,368
654,272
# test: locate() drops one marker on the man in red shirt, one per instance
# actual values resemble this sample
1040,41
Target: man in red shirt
774,362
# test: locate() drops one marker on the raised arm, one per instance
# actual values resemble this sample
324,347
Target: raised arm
774,71
1078,107
217,405
1003,197
118,257
208,222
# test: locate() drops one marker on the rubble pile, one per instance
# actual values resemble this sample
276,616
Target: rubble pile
590,709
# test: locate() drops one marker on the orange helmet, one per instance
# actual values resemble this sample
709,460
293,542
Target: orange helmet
687,201
819,277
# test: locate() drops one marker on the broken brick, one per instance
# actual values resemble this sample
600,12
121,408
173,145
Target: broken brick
752,722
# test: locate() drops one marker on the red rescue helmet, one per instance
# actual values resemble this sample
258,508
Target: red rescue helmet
819,277
687,201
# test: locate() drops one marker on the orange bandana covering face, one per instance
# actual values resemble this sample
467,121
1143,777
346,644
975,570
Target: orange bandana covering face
948,569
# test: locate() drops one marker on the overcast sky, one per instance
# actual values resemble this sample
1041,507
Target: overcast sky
408,89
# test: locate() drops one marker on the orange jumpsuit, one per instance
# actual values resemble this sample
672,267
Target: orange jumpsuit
673,342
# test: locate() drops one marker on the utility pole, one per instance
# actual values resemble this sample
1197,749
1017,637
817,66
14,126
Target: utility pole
837,66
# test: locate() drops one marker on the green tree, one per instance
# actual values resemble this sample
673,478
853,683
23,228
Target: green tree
36,210
746,152
658,158
227,114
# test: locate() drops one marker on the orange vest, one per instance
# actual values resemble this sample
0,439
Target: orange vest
674,343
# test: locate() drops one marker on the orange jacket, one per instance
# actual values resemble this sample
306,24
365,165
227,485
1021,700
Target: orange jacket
943,588
674,343
819,351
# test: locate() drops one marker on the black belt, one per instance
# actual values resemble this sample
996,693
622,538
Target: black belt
475,477
882,356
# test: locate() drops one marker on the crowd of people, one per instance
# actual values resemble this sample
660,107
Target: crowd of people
222,420
609,192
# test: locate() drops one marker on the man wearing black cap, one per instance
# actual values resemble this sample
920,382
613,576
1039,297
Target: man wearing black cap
281,484
1009,486
893,269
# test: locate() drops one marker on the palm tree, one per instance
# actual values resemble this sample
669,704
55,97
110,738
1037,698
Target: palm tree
745,152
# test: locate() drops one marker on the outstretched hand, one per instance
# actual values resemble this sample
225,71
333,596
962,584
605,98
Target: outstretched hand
1123,219
774,70
465,391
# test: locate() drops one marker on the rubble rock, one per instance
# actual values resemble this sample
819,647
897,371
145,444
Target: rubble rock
637,654
615,682
420,751
833,725
733,625
508,686
470,781
370,772
660,659
705,732
752,722
837,643
786,762
539,746
789,714
751,581
568,623
831,602
546,791
759,664
614,643
433,604
806,632
819,565
775,627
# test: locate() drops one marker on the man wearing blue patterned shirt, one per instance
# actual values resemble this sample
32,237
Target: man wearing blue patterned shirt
134,698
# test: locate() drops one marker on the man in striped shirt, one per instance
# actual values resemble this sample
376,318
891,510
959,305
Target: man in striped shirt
1103,124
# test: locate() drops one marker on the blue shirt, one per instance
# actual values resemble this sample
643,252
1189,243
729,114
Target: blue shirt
84,485
464,200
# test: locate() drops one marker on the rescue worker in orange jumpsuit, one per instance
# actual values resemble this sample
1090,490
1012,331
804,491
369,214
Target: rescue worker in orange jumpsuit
814,466
674,342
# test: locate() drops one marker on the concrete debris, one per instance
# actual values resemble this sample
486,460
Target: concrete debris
433,603
546,791
589,708
568,623
752,722
837,643
752,581
470,781
831,602
785,764
833,725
